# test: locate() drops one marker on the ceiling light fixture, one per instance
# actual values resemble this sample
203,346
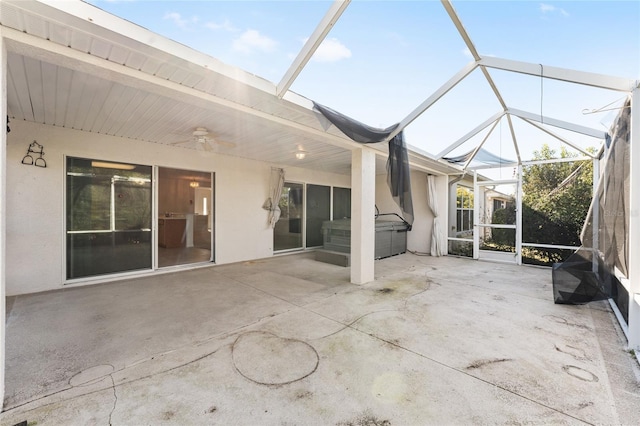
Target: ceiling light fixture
107,165
200,135
301,154
194,184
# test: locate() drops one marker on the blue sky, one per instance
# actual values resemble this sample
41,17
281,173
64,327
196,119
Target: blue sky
383,58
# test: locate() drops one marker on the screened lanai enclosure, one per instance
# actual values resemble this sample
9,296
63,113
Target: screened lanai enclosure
567,213
503,132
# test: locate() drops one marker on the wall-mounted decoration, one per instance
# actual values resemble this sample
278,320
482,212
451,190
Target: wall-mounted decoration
34,148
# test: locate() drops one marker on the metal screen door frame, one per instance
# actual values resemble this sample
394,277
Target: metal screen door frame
479,226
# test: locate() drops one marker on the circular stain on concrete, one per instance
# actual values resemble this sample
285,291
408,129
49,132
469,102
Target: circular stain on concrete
91,375
580,373
267,359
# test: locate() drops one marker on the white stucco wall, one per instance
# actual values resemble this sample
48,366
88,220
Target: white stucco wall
35,203
419,238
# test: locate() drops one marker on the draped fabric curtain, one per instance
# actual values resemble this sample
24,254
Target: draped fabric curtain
398,172
612,197
399,177
436,231
275,192
605,234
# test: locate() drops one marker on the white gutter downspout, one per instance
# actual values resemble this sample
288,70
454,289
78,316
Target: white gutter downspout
3,210
634,222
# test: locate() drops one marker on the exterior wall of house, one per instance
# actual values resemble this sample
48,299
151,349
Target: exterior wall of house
419,238
35,202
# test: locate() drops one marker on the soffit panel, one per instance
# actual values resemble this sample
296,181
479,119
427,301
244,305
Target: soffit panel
18,98
54,95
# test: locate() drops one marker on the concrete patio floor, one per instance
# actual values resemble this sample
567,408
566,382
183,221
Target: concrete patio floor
289,341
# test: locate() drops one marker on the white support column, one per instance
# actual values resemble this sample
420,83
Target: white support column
477,205
3,209
634,223
519,217
442,187
452,211
363,200
595,221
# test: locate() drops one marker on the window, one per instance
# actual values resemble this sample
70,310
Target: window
464,212
108,217
341,203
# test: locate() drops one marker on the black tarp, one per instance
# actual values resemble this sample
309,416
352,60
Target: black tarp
482,157
590,273
398,172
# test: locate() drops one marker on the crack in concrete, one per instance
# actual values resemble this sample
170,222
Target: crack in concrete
113,385
115,398
404,308
395,344
477,378
349,325
198,343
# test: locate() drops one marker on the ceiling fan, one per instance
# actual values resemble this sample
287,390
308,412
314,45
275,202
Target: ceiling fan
202,141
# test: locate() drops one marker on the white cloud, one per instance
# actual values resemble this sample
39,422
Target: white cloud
180,22
548,8
544,8
252,40
331,50
466,52
226,25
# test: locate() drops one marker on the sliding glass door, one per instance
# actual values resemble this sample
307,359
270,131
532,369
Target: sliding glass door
108,217
318,211
185,217
304,208
287,234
